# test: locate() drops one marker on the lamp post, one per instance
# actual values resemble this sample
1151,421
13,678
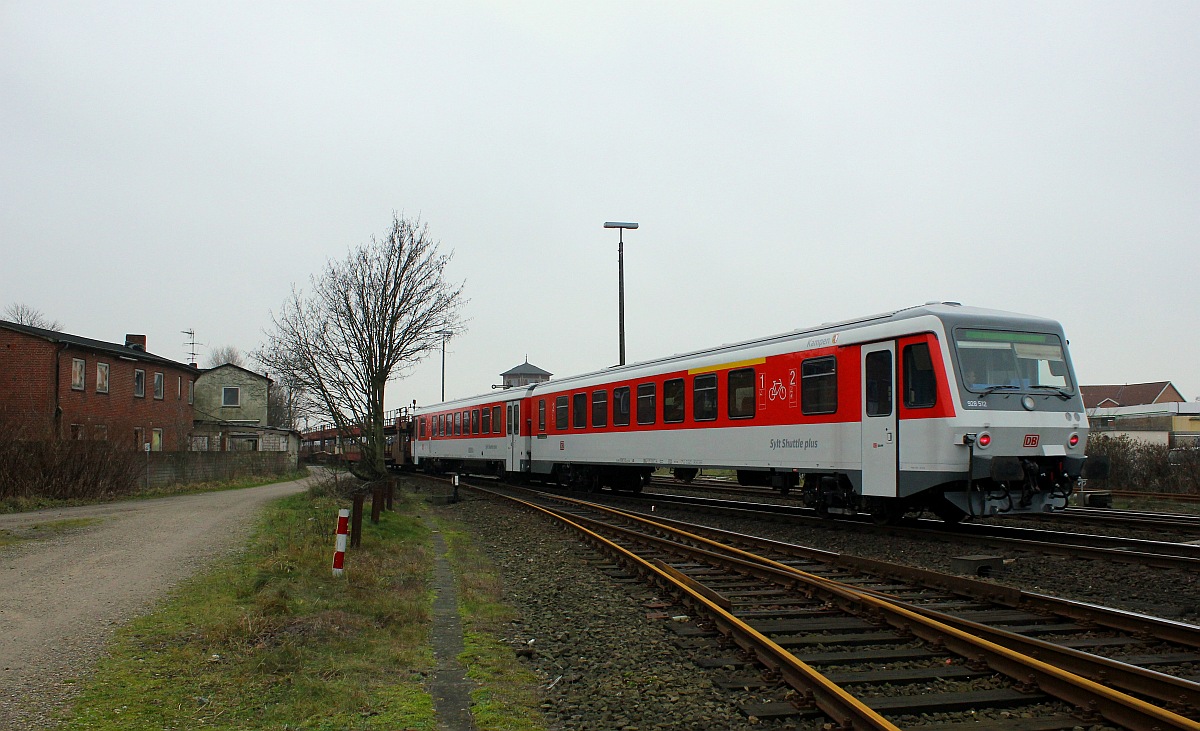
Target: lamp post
621,278
445,334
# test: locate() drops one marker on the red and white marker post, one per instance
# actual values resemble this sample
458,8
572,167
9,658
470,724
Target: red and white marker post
339,551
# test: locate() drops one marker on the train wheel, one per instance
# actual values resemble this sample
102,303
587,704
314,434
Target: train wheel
685,474
886,511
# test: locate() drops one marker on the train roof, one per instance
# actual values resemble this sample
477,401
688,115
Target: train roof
952,313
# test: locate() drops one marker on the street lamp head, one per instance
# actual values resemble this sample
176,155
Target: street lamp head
443,333
619,224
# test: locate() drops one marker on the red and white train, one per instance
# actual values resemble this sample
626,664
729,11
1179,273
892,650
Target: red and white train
958,410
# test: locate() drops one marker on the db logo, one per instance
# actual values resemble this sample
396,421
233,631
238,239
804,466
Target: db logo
1031,440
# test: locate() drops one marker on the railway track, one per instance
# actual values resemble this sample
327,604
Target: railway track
1157,553
863,642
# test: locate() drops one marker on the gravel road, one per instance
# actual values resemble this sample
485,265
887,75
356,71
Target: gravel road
64,596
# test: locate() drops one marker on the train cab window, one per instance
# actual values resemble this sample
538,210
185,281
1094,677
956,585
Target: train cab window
621,406
496,420
579,410
646,396
560,412
674,391
485,421
920,381
542,415
740,386
878,379
599,409
474,421
818,385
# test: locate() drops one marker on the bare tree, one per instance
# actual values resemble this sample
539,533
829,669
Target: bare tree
225,354
367,320
25,315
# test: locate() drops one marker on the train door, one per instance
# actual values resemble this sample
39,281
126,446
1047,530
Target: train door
517,442
880,440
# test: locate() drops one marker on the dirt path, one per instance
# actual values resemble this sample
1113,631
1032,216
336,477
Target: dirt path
61,598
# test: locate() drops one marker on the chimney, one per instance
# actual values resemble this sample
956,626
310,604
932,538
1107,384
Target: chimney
137,342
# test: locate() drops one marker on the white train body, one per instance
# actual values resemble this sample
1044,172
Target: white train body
961,410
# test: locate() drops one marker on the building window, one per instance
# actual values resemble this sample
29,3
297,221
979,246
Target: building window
560,412
673,396
156,440
77,432
645,403
740,384
704,397
101,378
139,384
485,421
191,392
579,407
100,432
77,373
231,396
159,386
139,438
920,382
818,385
599,409
621,406
178,388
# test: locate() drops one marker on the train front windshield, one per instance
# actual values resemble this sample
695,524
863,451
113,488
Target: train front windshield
1000,360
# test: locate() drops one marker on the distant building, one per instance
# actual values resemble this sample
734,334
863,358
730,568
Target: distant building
62,386
524,374
231,413
1149,412
1130,394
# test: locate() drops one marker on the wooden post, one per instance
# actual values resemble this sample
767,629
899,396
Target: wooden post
356,520
376,502
391,492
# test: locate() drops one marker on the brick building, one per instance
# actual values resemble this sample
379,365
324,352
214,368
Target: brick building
55,385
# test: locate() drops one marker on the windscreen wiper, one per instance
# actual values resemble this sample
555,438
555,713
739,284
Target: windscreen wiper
1060,392
998,387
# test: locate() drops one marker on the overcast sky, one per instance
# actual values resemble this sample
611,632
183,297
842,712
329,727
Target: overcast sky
170,165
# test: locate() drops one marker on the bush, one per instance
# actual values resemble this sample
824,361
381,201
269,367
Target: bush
1145,467
65,470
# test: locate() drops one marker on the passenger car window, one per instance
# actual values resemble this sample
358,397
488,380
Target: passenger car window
818,385
621,406
599,409
741,393
542,415
704,397
579,409
645,403
674,391
560,412
496,422
485,421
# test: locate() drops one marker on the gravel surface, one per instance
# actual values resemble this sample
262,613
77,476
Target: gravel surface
64,596
605,665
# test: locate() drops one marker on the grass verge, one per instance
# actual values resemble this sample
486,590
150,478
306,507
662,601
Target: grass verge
269,639
506,699
24,505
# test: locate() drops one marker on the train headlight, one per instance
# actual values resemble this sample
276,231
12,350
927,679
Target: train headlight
983,440
1073,441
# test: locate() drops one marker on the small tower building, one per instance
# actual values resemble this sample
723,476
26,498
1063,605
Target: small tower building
524,374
